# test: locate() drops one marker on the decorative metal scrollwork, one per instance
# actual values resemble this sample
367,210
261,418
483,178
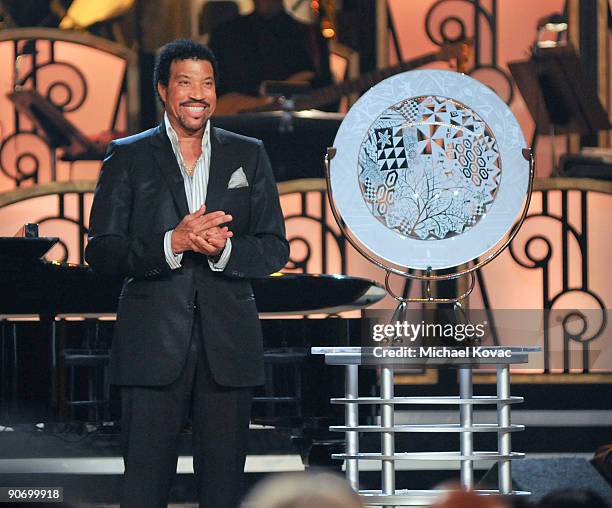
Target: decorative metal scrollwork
62,83
70,211
446,22
582,322
21,156
67,93
82,231
39,62
542,262
301,257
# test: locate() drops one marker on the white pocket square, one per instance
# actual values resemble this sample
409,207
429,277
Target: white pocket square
238,179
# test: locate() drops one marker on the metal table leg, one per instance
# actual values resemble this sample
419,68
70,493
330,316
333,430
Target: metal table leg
503,437
387,438
351,415
466,420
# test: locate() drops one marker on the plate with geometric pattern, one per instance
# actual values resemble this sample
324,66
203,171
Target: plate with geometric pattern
429,170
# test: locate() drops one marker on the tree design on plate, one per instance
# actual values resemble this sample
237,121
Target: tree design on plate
429,168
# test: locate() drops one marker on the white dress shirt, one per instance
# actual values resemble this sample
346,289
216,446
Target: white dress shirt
195,190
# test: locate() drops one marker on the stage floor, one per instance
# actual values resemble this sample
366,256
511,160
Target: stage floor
86,461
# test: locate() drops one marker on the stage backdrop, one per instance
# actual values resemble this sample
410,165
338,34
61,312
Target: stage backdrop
560,259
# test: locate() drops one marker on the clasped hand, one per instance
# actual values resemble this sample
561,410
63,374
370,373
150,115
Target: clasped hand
200,232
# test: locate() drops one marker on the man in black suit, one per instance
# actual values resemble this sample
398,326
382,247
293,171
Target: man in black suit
188,213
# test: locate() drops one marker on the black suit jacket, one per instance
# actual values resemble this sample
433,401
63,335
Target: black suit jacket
140,195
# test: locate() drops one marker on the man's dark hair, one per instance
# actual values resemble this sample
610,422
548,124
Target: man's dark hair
181,49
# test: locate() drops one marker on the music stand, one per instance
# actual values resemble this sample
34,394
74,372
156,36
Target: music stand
558,93
58,131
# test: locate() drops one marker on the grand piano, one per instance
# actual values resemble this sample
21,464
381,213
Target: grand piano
71,309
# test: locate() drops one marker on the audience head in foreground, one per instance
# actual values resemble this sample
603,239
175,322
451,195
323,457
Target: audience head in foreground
303,490
572,498
455,497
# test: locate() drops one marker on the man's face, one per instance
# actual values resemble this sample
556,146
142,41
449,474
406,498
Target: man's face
190,97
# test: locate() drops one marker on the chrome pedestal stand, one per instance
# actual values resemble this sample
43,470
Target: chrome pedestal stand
390,494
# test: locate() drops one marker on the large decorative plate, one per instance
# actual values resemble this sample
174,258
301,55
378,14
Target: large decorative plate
429,170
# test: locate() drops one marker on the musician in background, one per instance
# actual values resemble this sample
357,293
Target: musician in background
268,44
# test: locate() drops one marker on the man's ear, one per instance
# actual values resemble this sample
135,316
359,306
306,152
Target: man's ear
161,90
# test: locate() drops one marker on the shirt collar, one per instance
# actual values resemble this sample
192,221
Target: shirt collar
174,137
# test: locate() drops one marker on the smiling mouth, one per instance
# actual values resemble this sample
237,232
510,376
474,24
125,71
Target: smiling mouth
196,109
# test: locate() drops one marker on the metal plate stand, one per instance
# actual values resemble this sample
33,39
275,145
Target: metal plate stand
390,495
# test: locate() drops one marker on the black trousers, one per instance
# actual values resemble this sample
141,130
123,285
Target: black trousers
152,419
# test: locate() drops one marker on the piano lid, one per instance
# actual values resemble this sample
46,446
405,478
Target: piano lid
293,293
24,250
52,288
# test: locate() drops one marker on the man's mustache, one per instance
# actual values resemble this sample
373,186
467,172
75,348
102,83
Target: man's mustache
195,103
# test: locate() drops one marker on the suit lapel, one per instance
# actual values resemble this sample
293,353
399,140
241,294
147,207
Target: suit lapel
219,174
165,159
